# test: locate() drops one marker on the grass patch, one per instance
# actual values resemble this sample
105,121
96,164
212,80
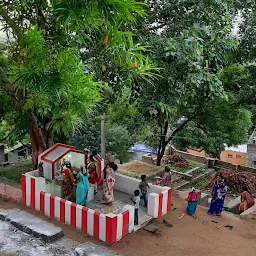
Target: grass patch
202,182
191,165
13,172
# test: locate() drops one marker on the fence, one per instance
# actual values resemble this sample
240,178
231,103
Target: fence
106,227
159,199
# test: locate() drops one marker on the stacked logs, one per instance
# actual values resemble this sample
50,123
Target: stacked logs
237,181
176,161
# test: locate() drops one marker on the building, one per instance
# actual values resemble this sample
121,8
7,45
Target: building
251,151
233,155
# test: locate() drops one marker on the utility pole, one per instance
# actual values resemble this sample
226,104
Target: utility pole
103,139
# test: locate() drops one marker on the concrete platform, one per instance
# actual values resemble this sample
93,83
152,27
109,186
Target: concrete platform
32,225
120,200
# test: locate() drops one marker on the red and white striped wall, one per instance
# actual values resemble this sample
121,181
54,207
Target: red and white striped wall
31,188
159,204
106,227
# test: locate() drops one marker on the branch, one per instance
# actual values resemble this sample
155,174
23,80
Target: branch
7,136
177,130
7,85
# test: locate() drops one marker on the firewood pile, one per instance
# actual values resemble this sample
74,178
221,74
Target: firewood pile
176,161
237,181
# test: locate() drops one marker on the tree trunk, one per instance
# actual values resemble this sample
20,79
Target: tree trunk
161,150
103,139
40,138
163,142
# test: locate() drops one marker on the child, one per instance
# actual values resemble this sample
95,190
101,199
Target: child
192,202
144,188
136,201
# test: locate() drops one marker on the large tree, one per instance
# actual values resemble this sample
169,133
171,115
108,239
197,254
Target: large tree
44,84
191,41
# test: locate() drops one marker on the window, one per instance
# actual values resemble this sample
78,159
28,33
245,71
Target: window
238,156
230,156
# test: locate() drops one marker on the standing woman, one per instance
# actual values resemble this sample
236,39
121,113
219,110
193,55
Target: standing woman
82,188
218,196
67,183
92,170
108,184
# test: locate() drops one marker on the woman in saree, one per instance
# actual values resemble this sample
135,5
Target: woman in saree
98,160
93,171
247,201
67,183
192,202
108,184
82,188
218,196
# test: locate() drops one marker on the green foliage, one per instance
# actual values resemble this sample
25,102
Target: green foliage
118,139
118,142
14,172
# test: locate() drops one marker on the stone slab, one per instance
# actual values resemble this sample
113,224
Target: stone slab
151,228
204,201
32,225
233,205
249,211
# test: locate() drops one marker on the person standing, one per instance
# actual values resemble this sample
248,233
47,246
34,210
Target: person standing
218,196
108,184
167,177
98,160
92,170
136,202
192,202
144,188
82,188
67,182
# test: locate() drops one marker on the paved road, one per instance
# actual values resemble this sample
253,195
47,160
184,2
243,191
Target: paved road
14,242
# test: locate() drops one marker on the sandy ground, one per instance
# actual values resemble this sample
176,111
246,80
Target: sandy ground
187,237
137,168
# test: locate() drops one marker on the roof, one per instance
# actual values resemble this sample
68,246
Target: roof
240,148
142,148
17,146
56,152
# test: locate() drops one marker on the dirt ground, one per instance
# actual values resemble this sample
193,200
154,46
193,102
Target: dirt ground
138,168
187,237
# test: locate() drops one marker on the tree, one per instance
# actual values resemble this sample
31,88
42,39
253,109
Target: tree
191,41
46,84
118,139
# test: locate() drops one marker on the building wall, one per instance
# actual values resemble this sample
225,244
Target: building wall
197,153
233,157
2,157
251,155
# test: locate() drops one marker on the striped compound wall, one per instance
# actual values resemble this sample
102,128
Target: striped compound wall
159,198
106,227
159,204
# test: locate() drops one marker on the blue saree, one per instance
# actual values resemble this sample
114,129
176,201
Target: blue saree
218,197
82,189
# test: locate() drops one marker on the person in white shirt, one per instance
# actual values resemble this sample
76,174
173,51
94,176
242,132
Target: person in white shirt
136,201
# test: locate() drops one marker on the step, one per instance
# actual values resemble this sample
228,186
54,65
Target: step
31,225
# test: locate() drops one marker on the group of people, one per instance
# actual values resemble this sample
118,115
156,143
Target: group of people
89,174
219,192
